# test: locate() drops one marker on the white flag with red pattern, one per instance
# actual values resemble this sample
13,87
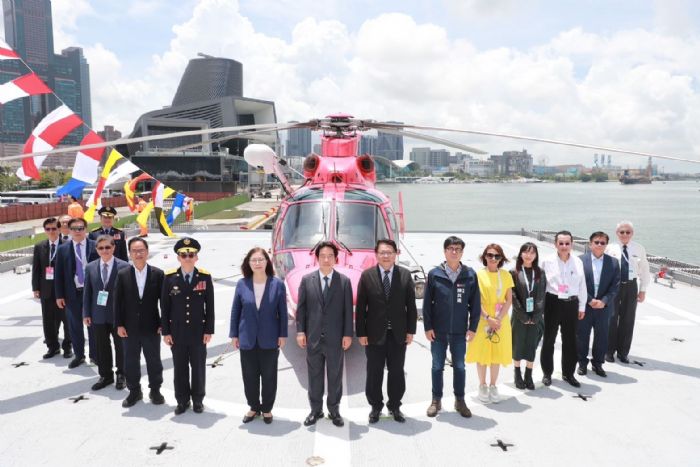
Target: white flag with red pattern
6,52
27,85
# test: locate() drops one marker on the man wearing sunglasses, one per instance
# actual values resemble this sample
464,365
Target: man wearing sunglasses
564,306
187,306
602,281
43,273
71,260
98,312
107,214
634,280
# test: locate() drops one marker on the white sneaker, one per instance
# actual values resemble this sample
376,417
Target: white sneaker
493,394
484,393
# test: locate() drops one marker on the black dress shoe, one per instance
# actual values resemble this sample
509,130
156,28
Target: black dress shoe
198,407
582,370
67,353
610,358
398,415
267,420
102,383
76,362
374,415
156,397
571,380
336,419
51,353
312,418
249,418
599,371
547,380
623,359
180,409
133,397
121,382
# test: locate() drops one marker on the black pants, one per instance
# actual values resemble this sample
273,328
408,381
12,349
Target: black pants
185,357
260,366
565,314
392,354
133,345
52,317
622,321
325,360
105,363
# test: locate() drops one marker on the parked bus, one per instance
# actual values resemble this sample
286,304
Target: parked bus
29,196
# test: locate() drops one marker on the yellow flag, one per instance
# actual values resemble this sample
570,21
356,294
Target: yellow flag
94,200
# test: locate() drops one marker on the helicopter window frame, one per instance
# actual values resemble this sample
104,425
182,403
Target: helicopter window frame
289,227
393,223
361,195
378,225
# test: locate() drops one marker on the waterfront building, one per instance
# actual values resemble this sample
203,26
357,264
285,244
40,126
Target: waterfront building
389,145
512,163
368,144
298,141
479,167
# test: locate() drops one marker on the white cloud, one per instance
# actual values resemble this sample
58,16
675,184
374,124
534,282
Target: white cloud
65,15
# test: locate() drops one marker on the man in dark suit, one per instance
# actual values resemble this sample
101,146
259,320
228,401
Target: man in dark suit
602,273
324,328
385,322
137,318
71,260
63,228
98,311
187,306
43,273
106,227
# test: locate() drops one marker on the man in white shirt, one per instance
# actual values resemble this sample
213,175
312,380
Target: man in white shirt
565,304
634,280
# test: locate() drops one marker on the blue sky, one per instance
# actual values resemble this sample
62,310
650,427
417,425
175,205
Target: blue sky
615,73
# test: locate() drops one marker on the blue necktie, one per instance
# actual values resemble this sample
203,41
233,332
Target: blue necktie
79,272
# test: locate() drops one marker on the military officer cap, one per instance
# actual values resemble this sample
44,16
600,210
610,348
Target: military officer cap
187,245
107,211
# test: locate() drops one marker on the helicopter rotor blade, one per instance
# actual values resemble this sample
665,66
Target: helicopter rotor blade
400,126
434,139
249,134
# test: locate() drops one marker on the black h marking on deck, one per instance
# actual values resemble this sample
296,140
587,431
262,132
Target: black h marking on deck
502,445
159,449
17,365
78,399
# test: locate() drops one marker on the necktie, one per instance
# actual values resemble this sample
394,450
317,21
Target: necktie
52,253
187,278
386,284
105,274
79,272
326,288
625,266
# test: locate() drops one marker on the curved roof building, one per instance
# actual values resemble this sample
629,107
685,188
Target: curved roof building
209,78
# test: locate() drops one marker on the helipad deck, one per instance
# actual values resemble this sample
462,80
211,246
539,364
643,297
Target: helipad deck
645,413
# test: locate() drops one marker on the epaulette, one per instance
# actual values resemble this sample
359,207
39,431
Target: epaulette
170,272
203,271
96,229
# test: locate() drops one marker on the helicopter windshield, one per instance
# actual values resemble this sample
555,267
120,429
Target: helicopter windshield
305,224
359,225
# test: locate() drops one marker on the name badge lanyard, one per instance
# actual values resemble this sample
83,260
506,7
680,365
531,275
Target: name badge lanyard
51,257
499,288
562,273
529,301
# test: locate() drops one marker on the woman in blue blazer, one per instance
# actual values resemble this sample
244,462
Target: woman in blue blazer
259,330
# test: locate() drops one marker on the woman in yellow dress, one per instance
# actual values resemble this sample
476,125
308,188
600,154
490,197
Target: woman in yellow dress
492,345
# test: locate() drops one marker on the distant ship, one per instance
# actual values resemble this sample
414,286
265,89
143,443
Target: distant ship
627,179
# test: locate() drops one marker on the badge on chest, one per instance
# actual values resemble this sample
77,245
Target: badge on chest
201,285
102,297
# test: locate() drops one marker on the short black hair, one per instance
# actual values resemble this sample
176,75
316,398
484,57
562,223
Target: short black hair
326,244
452,240
77,219
386,241
50,220
599,234
137,239
563,233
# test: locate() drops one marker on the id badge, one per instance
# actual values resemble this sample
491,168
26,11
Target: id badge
563,291
49,273
460,292
102,297
632,275
530,304
117,236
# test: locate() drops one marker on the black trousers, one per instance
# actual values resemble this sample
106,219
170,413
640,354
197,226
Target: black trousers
260,366
564,314
133,345
392,355
185,357
52,317
622,320
325,361
105,363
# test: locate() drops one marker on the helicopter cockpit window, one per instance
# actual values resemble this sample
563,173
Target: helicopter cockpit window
304,225
359,225
362,195
312,193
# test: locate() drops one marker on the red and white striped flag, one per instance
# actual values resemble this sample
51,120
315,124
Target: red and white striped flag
6,52
47,134
87,160
27,85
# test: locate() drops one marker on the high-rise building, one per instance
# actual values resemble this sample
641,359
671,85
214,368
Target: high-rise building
513,163
109,133
389,145
368,144
430,158
298,141
29,31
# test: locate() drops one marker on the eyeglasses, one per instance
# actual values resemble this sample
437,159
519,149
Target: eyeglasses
386,253
494,256
257,260
454,250
107,247
50,229
77,229
624,232
564,243
187,255
601,243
